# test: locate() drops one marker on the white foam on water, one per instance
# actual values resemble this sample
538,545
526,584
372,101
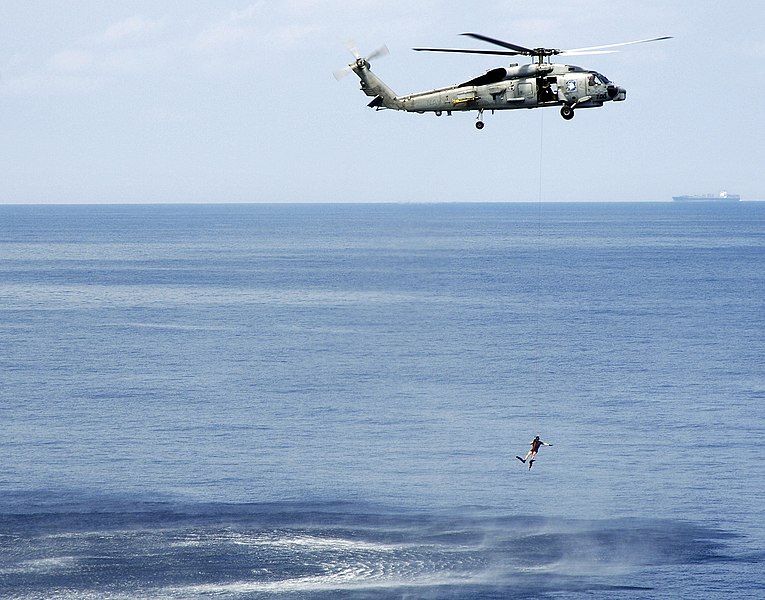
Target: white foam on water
298,541
51,564
346,579
310,542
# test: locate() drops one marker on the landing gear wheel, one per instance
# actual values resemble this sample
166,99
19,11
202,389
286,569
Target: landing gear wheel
567,112
479,125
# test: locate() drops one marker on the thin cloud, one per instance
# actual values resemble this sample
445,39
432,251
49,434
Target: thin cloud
234,28
292,35
232,40
221,35
247,13
71,61
130,29
258,24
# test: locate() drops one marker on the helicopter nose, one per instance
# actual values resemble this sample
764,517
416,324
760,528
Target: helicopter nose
616,93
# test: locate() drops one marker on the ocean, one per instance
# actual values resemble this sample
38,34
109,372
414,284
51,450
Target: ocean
326,401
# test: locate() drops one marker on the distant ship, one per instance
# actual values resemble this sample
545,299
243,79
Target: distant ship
721,197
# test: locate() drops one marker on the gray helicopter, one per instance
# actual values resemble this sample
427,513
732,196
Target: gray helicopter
539,84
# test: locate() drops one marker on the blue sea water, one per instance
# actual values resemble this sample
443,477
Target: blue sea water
325,401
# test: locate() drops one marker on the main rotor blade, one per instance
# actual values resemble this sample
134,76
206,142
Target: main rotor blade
500,43
515,50
589,53
461,51
657,39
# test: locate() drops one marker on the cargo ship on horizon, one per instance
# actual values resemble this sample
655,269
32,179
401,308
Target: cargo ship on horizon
721,197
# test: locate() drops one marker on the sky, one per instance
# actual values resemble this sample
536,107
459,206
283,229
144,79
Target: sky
235,101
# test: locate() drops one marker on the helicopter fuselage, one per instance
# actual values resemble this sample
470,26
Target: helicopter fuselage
504,88
539,84
526,86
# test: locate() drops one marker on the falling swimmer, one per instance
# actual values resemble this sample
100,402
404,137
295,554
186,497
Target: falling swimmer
535,444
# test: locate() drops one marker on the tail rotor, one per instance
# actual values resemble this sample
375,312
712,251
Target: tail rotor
361,62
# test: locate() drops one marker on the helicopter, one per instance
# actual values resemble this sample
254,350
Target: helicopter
539,84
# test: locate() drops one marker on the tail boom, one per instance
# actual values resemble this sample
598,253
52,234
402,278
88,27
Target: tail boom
373,86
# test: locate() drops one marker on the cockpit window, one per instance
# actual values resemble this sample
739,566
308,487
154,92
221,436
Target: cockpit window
597,79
